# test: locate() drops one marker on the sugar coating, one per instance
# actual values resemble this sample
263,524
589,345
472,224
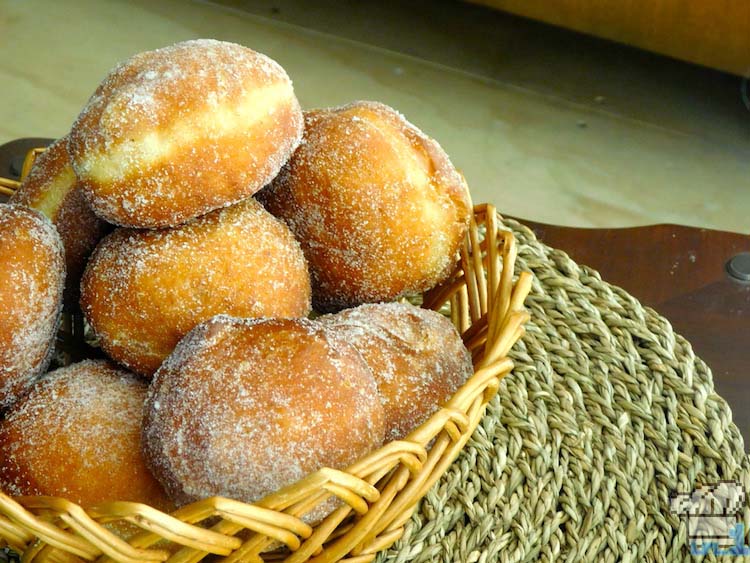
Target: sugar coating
32,277
77,435
416,355
51,188
143,290
377,205
173,133
245,407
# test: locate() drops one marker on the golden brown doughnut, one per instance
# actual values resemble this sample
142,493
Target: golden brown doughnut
416,355
51,187
244,407
174,133
77,435
143,290
32,277
377,205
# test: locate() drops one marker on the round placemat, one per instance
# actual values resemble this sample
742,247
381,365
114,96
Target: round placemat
607,415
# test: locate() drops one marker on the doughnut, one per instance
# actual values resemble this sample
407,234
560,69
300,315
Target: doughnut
51,188
77,435
416,355
174,133
244,407
377,205
32,277
143,290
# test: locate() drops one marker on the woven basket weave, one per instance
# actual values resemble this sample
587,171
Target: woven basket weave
379,492
606,413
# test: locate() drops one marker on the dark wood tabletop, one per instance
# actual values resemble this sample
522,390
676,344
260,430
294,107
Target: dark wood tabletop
699,279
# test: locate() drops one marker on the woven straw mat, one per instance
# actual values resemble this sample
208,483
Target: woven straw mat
605,414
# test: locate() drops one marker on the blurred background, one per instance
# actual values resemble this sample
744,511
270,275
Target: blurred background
548,123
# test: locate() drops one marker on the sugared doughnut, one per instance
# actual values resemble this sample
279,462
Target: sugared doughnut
377,205
416,355
51,187
77,435
245,407
32,277
143,290
174,133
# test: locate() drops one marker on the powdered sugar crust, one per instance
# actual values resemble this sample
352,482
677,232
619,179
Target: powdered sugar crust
174,133
77,435
32,276
245,407
144,290
377,205
416,355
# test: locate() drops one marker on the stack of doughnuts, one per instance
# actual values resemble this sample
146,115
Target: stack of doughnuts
217,378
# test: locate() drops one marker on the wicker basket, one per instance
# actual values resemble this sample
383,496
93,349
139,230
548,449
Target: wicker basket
378,493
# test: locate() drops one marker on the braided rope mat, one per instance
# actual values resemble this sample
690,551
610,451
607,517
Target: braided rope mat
605,414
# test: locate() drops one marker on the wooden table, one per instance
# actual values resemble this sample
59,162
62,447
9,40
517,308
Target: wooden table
682,272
